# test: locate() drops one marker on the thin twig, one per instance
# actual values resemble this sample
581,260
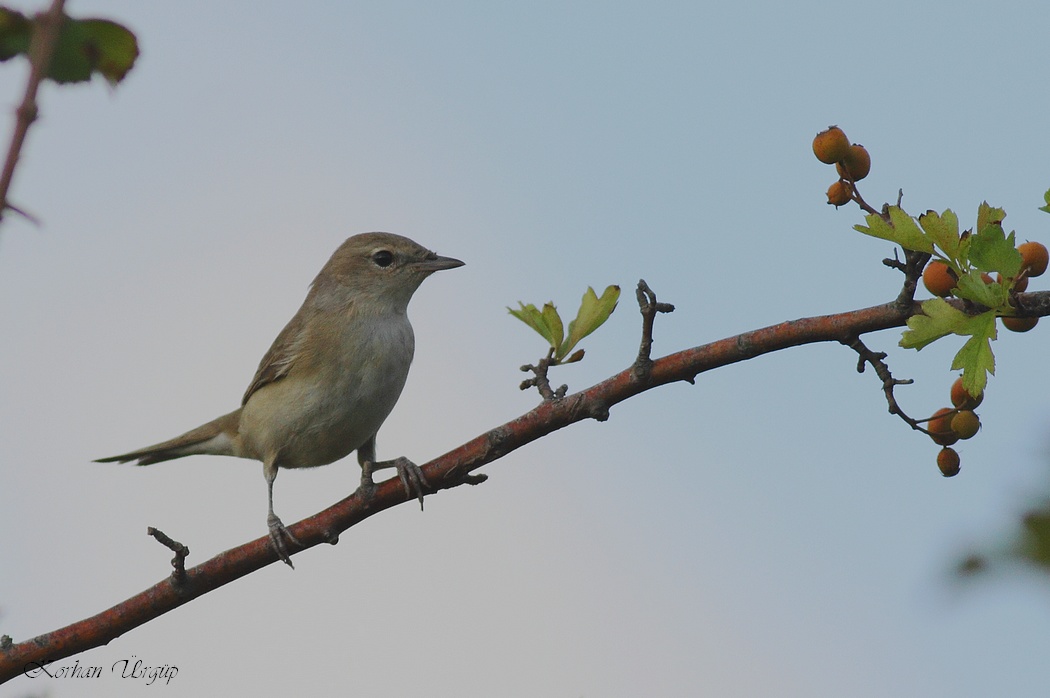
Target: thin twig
25,214
178,577
43,38
540,379
882,370
912,266
649,307
855,194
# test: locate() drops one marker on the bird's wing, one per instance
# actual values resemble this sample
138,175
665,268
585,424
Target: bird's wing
281,357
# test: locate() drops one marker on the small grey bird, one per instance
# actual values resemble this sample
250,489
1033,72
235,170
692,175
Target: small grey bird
331,377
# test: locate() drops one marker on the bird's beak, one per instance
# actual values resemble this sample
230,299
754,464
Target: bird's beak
437,263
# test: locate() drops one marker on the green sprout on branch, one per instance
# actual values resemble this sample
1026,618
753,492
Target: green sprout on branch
593,312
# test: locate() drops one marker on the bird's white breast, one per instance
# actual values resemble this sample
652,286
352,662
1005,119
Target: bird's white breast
336,400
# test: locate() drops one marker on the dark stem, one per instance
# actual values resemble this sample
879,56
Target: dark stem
178,576
44,36
540,379
649,307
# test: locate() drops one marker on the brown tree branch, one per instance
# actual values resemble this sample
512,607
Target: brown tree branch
47,26
452,469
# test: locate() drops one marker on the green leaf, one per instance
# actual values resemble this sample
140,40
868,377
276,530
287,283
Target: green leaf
535,319
992,250
910,236
14,33
594,311
976,378
877,227
113,48
942,230
901,229
973,288
69,63
84,47
92,45
976,358
1046,198
989,215
938,319
554,324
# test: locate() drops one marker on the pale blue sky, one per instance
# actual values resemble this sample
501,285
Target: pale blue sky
771,531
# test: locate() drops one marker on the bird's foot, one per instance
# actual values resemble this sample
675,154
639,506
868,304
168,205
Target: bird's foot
412,479
278,534
410,474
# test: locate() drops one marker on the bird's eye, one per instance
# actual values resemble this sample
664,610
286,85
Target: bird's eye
383,258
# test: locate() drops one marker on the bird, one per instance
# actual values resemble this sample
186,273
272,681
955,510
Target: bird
331,377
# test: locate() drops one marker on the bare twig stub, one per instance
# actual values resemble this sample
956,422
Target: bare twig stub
43,39
178,576
649,307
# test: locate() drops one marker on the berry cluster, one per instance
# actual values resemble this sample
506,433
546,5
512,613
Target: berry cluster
949,424
952,262
852,162
940,280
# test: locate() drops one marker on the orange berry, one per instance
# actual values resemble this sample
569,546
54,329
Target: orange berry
830,146
962,399
948,462
940,427
1020,284
840,193
966,424
939,278
1019,324
857,163
1034,258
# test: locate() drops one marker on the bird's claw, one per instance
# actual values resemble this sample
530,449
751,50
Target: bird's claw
412,479
278,533
410,474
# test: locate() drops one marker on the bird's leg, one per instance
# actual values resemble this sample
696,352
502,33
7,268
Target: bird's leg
278,532
366,456
411,475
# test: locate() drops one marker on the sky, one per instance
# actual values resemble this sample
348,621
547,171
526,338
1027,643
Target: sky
771,530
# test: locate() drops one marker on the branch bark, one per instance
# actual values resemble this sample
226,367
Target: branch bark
453,469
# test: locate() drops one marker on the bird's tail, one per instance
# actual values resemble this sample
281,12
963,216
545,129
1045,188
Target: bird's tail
215,438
